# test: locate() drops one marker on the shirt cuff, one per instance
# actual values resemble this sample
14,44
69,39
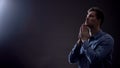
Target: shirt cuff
86,44
84,47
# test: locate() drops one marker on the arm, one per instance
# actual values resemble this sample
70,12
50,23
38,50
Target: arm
75,53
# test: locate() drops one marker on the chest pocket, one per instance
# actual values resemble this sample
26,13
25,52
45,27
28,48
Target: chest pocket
95,43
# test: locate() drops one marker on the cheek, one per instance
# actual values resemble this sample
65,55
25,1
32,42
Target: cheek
92,20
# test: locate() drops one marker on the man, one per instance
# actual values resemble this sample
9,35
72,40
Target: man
94,47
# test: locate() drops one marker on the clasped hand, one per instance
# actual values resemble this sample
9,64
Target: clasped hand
84,33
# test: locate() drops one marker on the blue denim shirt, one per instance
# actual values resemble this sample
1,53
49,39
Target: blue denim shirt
93,53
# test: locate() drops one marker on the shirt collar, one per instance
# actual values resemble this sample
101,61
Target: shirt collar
97,35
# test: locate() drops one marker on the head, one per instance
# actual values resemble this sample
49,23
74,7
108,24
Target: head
95,17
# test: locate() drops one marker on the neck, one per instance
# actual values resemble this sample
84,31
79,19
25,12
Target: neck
95,30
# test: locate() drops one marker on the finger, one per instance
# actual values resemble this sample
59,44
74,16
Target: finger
89,31
84,28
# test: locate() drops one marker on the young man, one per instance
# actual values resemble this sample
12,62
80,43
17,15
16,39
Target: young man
94,47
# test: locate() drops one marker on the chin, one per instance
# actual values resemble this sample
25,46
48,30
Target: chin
90,26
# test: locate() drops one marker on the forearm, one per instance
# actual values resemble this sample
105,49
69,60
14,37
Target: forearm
75,53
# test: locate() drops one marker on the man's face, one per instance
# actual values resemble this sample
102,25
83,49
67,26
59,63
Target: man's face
91,19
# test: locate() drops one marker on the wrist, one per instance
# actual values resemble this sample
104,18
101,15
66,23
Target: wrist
83,40
79,41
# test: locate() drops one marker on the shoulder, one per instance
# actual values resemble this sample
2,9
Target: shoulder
107,38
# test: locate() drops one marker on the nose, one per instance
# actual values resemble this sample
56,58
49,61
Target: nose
86,19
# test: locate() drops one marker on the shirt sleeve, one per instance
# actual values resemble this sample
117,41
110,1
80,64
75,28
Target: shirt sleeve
74,55
103,48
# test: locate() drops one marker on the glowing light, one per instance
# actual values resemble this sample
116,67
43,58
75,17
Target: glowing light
3,5
2,8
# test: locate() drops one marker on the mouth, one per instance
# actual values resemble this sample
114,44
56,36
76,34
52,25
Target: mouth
86,23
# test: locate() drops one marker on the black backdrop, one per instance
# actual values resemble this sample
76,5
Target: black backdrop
40,33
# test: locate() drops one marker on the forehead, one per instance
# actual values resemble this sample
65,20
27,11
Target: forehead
91,13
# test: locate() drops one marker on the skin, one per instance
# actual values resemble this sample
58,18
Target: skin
90,27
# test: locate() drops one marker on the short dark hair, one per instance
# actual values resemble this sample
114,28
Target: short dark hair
99,14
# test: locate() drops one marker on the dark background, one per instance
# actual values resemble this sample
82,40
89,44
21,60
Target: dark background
41,33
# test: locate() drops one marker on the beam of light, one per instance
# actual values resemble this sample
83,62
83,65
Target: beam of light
13,17
13,14
4,5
